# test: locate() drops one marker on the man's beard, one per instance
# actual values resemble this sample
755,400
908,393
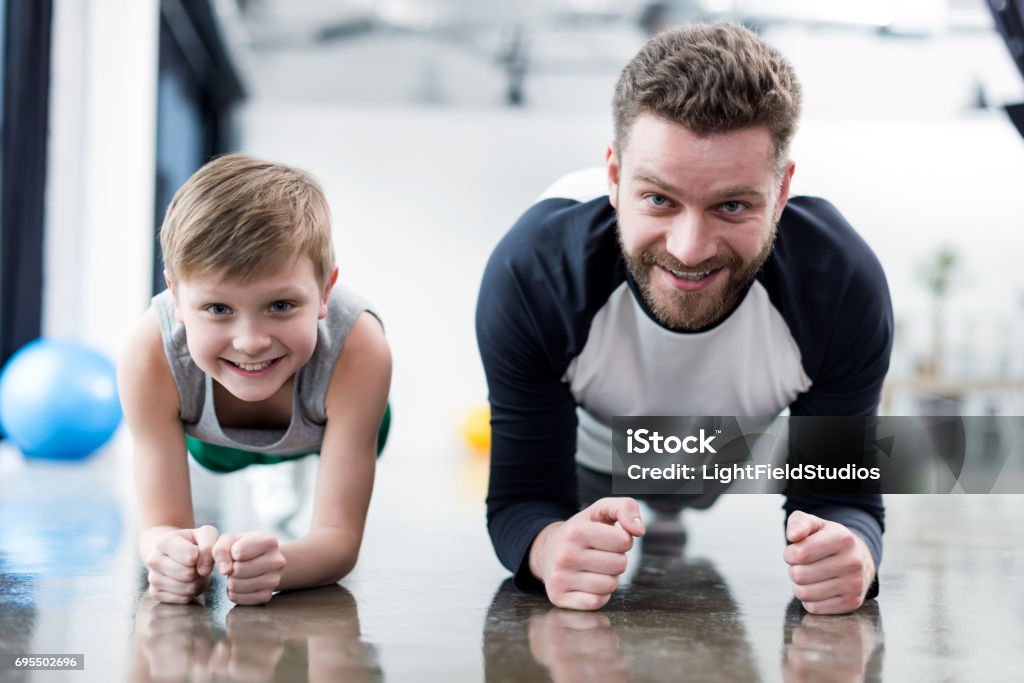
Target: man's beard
679,310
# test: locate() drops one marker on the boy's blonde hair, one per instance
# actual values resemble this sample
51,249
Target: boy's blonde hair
710,78
239,217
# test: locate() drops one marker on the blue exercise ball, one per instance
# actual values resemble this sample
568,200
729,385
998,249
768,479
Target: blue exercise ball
58,400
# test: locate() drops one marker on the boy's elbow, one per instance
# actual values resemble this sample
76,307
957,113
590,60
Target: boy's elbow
337,552
343,567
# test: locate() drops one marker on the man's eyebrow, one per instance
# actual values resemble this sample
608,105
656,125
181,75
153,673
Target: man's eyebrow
648,177
739,192
730,193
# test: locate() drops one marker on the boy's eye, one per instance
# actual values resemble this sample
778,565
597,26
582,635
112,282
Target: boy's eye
218,309
281,306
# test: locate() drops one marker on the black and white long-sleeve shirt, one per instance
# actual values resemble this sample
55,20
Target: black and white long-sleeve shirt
567,343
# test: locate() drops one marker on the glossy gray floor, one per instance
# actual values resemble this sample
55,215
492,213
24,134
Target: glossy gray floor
428,601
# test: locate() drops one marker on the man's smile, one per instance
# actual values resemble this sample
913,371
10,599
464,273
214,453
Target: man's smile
690,281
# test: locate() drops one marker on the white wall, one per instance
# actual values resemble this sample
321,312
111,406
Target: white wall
99,226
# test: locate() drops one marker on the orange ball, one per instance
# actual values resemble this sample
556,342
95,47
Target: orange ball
476,429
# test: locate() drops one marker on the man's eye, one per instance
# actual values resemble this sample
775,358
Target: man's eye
657,200
281,306
733,207
218,309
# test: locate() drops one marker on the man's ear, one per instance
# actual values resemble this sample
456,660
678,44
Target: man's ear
611,163
327,293
780,201
174,296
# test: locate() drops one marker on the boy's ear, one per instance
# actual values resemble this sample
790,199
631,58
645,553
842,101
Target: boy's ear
327,293
174,297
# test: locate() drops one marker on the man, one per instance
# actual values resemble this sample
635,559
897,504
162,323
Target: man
686,284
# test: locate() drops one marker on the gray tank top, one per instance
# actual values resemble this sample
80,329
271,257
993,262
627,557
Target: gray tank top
309,414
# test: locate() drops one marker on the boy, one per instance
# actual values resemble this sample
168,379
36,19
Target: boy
252,356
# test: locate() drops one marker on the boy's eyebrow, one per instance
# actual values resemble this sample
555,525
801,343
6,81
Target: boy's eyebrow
740,191
285,292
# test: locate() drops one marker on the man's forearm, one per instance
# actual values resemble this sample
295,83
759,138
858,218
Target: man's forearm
864,514
322,557
514,530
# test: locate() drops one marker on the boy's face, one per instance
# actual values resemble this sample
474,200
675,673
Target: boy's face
252,337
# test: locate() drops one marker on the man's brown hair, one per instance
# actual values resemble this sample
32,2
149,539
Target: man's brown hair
710,78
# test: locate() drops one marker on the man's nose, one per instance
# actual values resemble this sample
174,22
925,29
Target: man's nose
691,239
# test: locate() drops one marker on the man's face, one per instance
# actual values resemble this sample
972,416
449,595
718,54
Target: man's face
696,215
252,337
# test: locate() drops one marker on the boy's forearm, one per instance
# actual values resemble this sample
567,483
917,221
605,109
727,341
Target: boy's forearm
322,557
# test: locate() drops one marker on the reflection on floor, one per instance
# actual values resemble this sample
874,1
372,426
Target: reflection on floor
311,633
678,620
429,602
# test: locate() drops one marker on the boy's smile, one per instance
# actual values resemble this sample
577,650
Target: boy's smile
253,369
252,337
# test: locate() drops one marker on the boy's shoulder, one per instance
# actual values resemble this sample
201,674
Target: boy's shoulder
344,306
187,378
144,374
145,345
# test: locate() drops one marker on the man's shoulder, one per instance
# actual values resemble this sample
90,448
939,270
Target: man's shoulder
572,212
546,279
831,290
562,250
812,229
560,227
583,185
816,246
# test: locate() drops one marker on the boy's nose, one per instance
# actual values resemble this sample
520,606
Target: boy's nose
251,340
